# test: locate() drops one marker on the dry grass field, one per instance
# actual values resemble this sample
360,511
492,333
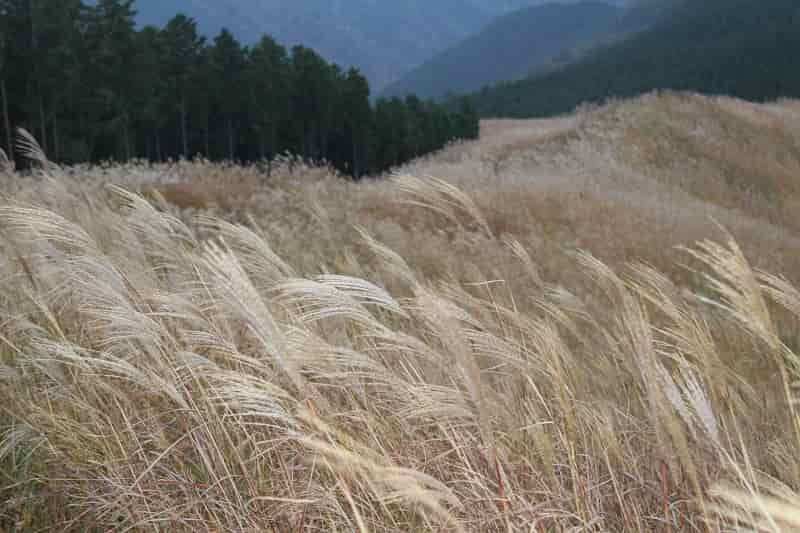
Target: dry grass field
587,323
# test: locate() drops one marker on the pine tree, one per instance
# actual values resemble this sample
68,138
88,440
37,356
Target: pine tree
228,69
417,124
468,122
182,51
202,100
110,38
312,99
151,87
268,79
356,117
55,45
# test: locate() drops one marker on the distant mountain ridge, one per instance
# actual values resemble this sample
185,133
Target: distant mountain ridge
516,45
742,48
384,38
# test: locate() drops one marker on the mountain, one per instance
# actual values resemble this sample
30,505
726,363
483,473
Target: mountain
743,48
512,47
384,38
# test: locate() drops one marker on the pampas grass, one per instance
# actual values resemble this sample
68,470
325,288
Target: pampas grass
387,359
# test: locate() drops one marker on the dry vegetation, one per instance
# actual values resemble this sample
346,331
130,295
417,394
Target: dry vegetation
545,337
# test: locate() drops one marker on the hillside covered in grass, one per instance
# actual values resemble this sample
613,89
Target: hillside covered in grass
743,48
582,323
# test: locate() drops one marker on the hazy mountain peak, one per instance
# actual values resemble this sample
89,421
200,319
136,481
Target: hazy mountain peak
515,45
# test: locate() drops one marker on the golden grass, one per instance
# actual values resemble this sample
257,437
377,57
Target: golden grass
732,153
521,347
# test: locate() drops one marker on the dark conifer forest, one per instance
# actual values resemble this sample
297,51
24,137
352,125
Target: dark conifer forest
91,86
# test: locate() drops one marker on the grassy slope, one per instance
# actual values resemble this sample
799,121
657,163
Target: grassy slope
149,377
738,47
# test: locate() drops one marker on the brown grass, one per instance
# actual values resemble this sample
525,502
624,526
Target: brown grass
730,153
514,348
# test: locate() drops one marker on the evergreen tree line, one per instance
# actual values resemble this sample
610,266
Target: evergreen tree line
91,86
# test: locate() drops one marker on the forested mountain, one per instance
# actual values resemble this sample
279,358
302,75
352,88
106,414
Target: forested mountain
527,42
384,38
90,86
744,48
513,47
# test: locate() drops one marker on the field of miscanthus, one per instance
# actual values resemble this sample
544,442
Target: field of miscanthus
587,323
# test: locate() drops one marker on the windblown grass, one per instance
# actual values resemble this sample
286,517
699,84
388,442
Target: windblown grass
515,348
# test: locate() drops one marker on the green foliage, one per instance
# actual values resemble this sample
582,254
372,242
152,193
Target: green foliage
742,48
268,79
92,87
181,46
